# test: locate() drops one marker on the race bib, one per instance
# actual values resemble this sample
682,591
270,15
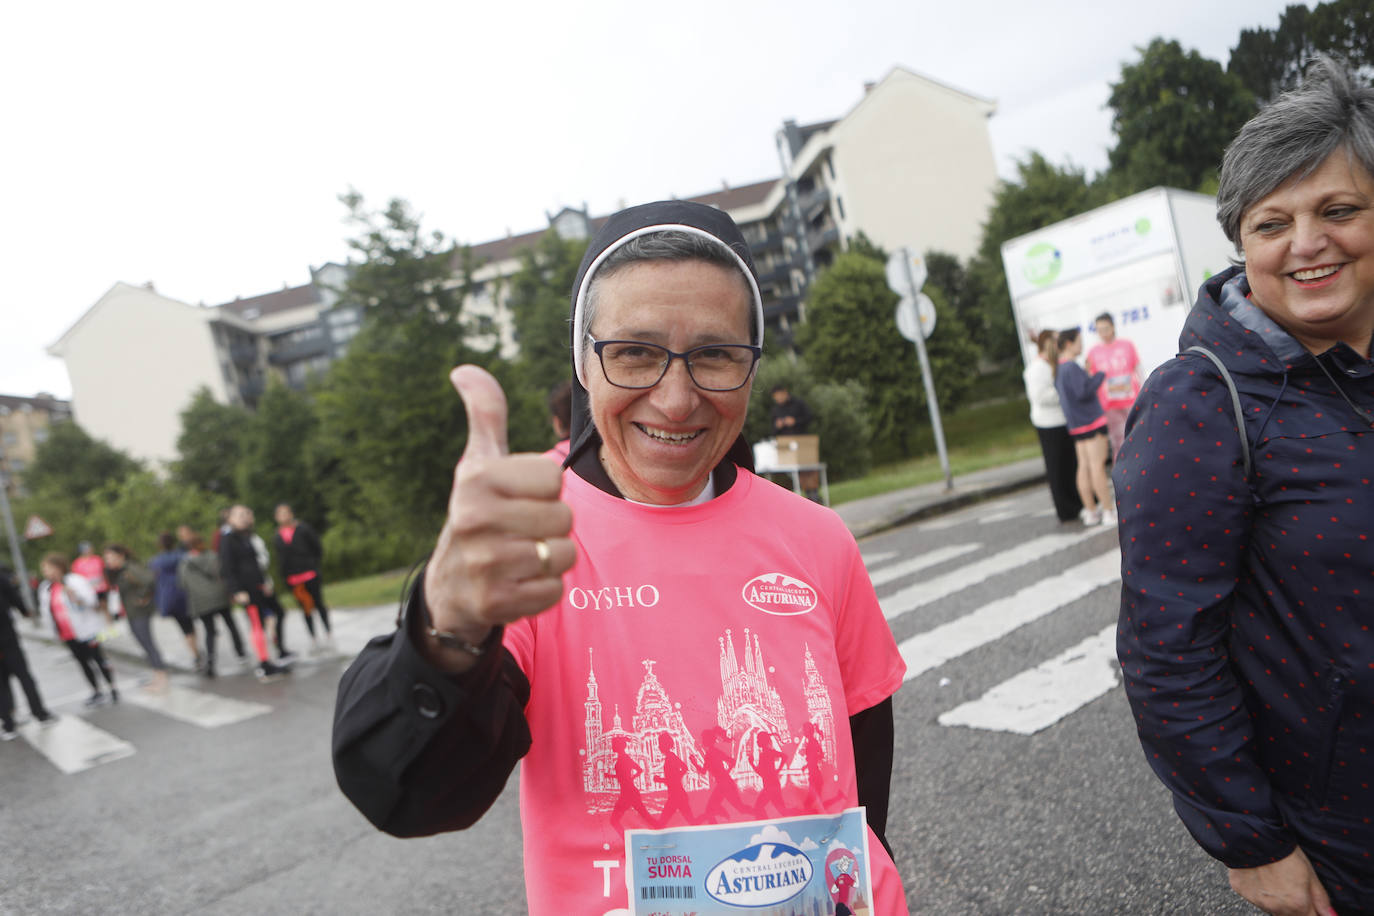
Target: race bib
815,863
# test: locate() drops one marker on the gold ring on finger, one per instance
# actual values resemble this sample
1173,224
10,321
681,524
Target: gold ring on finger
541,549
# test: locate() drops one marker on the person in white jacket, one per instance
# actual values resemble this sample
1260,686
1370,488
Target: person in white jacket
71,604
1047,416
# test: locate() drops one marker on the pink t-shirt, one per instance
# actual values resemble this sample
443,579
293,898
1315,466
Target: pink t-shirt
1121,364
744,629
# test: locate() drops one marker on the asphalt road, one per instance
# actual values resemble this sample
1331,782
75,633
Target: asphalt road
228,805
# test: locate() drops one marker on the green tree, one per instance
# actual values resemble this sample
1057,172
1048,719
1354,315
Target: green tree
73,463
209,445
390,424
1173,114
540,293
1269,61
1044,193
135,510
839,408
850,334
275,463
405,276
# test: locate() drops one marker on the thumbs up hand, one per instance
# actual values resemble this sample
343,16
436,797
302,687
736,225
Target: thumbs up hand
488,567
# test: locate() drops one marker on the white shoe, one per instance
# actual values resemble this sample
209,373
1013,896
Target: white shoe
1090,517
1108,518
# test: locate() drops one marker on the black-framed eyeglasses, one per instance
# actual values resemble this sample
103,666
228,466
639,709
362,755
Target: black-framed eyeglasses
713,367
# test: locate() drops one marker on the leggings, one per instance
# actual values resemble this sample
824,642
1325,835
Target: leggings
91,658
212,633
143,632
310,596
267,606
13,664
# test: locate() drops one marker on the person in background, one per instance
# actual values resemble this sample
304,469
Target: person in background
206,598
300,556
560,416
243,565
69,601
171,599
1087,424
1117,359
221,529
1061,465
137,587
90,567
1246,634
791,416
13,664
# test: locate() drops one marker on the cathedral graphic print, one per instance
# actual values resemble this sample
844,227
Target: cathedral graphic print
757,759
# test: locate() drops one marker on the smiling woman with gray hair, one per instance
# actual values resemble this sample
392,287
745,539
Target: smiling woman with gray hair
634,628
1247,512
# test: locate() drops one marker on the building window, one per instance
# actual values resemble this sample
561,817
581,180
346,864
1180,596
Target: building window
839,205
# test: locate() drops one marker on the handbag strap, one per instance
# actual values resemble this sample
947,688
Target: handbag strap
1235,403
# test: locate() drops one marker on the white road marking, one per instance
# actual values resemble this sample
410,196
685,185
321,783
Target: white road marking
874,559
923,593
197,707
72,744
1039,697
933,648
999,517
924,561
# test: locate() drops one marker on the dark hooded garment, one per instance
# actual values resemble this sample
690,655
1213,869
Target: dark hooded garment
1247,607
419,751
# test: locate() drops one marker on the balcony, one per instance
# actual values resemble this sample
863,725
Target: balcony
779,308
823,238
250,389
243,353
814,203
297,350
770,242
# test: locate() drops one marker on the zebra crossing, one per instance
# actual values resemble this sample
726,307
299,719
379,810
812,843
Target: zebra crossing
1049,690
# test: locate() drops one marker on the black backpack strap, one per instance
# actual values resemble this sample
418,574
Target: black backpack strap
1235,403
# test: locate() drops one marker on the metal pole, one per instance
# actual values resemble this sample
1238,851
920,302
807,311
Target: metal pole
24,589
929,382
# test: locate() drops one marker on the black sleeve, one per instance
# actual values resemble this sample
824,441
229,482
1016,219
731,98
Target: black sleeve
9,595
313,549
871,732
228,569
419,751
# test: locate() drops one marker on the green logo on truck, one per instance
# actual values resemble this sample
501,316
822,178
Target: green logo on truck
1043,264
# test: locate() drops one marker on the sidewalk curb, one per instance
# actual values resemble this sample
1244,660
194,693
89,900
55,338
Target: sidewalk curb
945,502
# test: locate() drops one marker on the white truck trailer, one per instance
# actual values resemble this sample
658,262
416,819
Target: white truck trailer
1141,259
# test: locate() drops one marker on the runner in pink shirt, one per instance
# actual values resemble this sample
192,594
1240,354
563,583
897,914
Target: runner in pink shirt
1116,358
681,655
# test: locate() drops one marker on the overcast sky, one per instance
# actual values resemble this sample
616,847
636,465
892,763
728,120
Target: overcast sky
203,147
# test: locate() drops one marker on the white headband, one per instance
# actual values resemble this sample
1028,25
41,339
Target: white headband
579,304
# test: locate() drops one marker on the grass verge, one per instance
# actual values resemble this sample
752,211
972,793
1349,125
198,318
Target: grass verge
978,437
367,591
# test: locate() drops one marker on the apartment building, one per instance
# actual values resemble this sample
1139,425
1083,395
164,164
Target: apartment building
24,425
911,163
136,357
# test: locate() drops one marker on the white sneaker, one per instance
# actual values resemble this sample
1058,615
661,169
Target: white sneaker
1090,517
1108,518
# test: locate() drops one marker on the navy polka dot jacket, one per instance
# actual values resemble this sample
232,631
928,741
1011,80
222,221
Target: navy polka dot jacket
1246,606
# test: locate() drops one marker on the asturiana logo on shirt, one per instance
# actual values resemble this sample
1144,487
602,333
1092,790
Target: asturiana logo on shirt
761,875
775,593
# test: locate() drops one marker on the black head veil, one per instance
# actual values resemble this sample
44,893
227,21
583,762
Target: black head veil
619,229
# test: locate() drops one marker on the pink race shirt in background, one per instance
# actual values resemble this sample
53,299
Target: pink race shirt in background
1121,364
701,669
